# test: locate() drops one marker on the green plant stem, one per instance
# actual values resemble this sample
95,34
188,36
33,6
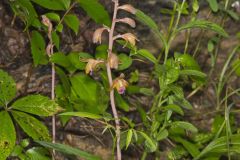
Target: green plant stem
222,81
169,31
109,73
68,10
172,36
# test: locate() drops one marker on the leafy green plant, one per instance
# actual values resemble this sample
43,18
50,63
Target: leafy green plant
21,111
89,95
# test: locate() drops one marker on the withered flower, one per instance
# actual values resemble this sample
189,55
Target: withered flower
120,84
128,21
47,23
128,8
97,36
130,38
92,64
113,61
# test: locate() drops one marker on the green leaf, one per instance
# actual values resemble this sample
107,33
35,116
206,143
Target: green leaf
96,11
185,125
145,19
121,103
195,5
62,60
33,127
7,88
75,59
190,72
145,53
38,153
81,114
129,137
53,16
25,10
37,105
187,61
167,74
220,146
125,61
90,95
56,39
233,14
213,5
191,148
203,24
236,67
7,135
38,47
150,144
51,4
181,102
64,80
174,108
162,135
101,52
68,150
72,22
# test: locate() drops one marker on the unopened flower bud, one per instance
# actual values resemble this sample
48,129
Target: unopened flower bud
128,8
113,61
128,21
120,84
97,36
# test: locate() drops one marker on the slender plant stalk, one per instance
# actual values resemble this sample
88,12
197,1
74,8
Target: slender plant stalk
109,73
53,97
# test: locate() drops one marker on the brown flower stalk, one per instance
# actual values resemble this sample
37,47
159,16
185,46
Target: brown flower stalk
112,63
109,73
49,51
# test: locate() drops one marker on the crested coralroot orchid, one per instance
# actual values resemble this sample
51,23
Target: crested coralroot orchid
113,61
128,37
120,84
97,35
92,64
128,8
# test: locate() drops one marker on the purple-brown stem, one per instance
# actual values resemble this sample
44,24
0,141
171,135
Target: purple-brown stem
109,73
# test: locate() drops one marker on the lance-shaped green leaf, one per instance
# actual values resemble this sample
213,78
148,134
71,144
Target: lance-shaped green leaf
203,24
185,125
33,127
7,135
82,114
145,19
37,104
220,146
69,150
96,11
145,53
7,88
150,144
213,5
